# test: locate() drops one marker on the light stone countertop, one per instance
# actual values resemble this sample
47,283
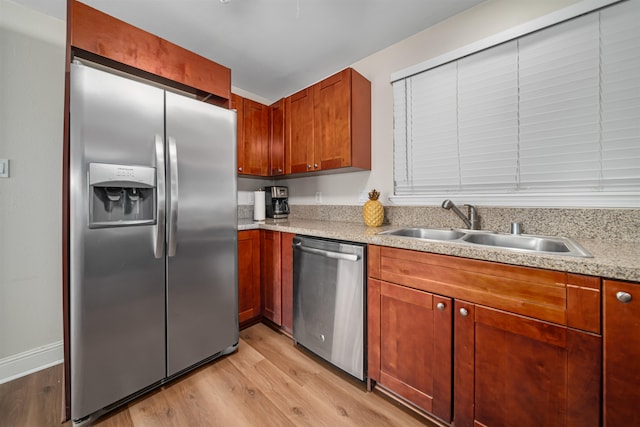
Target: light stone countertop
614,260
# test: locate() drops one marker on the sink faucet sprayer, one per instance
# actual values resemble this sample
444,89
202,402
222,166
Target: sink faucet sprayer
471,220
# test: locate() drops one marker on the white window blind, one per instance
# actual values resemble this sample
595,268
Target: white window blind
555,111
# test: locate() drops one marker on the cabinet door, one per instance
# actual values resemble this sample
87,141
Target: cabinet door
410,345
276,138
513,370
332,122
299,128
621,353
256,138
248,275
287,280
271,276
237,104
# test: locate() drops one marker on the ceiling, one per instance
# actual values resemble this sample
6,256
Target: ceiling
276,47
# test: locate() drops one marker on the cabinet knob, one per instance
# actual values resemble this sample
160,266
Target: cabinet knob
440,306
464,312
239,169
623,297
308,166
315,165
279,170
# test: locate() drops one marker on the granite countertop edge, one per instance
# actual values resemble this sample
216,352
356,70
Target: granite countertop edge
612,260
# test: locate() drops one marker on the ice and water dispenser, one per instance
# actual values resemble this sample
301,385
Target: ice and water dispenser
121,195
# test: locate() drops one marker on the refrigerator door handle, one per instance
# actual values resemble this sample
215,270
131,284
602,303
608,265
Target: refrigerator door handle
173,197
158,237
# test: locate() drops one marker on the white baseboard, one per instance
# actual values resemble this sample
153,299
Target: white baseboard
30,361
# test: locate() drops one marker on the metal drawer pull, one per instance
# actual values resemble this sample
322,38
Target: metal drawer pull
328,254
623,297
464,312
440,306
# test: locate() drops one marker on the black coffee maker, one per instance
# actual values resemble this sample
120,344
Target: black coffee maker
277,202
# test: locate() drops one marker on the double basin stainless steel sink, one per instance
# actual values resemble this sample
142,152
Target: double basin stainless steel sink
516,242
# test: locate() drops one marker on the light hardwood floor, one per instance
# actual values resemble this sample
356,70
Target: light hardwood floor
267,382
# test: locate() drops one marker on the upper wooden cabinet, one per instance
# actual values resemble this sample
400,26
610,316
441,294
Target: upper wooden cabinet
325,127
276,138
299,134
255,138
102,38
621,312
328,125
260,137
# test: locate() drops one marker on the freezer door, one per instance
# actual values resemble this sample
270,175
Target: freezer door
202,302
117,294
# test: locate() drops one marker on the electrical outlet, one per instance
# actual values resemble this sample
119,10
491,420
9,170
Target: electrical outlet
363,196
318,197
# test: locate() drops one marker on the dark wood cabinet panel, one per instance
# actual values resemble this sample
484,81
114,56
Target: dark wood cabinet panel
103,38
323,127
412,340
514,370
299,132
621,353
237,103
277,138
287,281
329,125
518,357
255,139
248,275
332,139
271,276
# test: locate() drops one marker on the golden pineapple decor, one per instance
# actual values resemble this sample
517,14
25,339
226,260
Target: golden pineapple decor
373,212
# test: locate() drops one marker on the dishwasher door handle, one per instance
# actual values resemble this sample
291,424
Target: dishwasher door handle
328,254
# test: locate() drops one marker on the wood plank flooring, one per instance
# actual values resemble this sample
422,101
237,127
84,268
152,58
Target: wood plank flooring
267,382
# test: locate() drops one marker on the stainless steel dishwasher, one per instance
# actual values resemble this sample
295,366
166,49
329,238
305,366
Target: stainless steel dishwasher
329,301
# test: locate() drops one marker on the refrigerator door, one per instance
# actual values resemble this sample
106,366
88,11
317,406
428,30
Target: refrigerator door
117,294
202,301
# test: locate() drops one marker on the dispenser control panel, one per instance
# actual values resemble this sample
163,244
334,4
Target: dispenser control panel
103,174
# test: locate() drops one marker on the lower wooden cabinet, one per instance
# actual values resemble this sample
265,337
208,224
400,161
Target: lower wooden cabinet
248,275
513,370
271,276
410,345
436,340
621,312
286,241
265,277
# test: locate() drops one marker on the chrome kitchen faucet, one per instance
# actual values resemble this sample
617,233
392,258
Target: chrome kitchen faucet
471,220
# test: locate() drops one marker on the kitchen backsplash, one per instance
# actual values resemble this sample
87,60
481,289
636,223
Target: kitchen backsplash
599,224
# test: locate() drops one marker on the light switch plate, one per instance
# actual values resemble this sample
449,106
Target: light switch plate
4,168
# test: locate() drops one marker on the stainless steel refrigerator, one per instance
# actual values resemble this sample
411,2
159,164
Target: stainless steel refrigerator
153,237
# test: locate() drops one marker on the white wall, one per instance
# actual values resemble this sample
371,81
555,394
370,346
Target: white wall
31,114
484,20
31,109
